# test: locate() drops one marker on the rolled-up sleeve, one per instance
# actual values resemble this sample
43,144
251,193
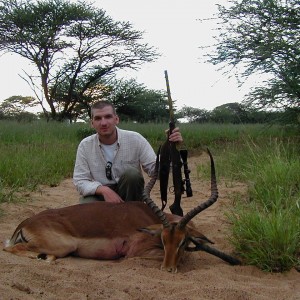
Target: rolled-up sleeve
147,157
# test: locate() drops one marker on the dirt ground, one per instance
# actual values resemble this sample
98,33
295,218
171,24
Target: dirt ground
200,275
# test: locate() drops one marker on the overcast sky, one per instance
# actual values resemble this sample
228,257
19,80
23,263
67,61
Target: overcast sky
173,27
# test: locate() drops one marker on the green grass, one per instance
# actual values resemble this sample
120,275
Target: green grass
213,135
266,224
268,240
34,154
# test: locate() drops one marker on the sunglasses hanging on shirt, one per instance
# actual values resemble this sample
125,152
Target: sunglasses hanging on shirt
108,170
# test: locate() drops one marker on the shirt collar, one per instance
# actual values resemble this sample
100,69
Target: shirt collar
119,134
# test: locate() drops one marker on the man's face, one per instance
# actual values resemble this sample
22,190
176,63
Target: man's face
104,121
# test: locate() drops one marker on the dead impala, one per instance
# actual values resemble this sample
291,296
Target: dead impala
104,230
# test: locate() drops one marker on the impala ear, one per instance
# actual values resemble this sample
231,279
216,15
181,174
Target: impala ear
154,230
198,236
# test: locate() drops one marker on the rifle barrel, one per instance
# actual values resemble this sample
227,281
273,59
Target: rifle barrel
169,98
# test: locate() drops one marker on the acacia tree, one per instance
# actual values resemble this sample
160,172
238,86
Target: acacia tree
262,36
14,107
194,115
74,47
134,101
230,113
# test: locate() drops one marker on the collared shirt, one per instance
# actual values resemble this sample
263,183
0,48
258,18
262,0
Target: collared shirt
132,150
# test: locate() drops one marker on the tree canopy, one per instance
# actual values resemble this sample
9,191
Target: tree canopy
14,108
75,48
132,100
135,102
262,36
235,113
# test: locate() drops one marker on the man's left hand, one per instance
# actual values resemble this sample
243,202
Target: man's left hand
176,136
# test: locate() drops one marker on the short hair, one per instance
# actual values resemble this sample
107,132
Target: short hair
101,104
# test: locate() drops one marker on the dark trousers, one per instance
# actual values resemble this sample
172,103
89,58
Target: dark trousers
130,187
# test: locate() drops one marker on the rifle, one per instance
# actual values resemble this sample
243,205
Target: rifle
169,155
186,170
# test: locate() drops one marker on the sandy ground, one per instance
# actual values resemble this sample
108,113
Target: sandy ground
200,275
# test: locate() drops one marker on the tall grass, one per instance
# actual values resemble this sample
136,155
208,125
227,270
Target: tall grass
34,154
266,225
43,153
269,240
214,135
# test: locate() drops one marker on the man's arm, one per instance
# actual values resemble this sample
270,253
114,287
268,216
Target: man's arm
82,178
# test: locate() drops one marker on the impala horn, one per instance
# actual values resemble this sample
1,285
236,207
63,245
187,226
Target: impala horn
213,198
147,199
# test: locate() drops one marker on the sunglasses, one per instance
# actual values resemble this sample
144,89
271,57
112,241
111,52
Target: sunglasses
108,170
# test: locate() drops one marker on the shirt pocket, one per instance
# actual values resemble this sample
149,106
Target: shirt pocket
120,167
130,163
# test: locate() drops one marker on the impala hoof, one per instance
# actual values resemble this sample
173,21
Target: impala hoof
170,269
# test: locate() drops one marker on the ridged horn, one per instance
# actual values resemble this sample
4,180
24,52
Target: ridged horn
147,199
213,198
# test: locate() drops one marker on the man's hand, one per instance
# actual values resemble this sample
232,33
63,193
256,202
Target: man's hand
108,194
175,136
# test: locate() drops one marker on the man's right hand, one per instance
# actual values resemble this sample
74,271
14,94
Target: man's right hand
108,194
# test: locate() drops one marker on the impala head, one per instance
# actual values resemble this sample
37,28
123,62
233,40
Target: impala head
176,237
174,240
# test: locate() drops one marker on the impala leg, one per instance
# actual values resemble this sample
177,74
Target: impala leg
228,258
204,247
22,250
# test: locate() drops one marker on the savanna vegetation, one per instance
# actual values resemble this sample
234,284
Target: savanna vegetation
265,224
77,50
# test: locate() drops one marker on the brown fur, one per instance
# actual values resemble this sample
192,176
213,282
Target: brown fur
100,231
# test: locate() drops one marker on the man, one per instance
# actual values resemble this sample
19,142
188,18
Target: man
109,163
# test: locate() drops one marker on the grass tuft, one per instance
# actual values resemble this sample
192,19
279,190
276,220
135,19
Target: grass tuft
265,225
